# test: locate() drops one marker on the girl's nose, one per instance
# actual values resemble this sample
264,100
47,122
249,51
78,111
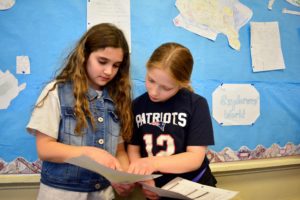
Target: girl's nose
154,91
108,70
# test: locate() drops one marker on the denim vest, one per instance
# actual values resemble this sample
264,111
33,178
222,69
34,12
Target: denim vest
104,136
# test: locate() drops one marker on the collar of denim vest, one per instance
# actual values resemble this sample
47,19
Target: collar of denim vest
92,94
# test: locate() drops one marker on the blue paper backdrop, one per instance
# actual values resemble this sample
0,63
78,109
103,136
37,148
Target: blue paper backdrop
46,31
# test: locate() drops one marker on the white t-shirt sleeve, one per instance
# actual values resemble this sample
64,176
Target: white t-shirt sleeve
45,119
120,139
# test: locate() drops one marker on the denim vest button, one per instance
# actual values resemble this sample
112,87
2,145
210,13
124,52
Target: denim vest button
100,119
97,186
101,141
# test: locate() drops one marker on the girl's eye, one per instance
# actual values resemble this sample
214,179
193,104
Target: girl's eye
166,89
116,65
101,62
151,80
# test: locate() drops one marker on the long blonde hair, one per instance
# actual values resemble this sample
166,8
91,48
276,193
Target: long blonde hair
176,59
119,88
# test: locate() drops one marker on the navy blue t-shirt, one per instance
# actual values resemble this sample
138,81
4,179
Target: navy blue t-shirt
167,128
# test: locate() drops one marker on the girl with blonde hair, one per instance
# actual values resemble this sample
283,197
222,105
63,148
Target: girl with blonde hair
172,126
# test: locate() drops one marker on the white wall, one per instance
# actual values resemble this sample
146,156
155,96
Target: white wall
264,179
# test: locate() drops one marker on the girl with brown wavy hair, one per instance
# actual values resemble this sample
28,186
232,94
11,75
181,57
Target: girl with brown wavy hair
86,110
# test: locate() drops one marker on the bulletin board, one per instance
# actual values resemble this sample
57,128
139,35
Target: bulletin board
46,31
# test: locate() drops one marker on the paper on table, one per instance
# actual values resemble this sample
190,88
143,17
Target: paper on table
184,189
113,176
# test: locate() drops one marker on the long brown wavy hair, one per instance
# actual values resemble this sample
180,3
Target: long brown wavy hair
119,88
176,59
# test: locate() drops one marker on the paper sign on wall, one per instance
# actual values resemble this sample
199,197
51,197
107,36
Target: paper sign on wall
266,52
235,104
9,88
23,65
114,11
6,4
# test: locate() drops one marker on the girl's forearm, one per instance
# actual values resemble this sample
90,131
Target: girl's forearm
179,163
50,150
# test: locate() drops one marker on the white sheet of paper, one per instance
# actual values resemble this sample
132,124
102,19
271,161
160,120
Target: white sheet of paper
294,2
164,193
114,176
184,189
266,50
291,12
23,65
6,4
113,11
9,88
270,4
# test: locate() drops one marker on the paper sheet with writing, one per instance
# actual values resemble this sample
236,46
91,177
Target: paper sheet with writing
184,189
113,11
23,65
114,176
266,50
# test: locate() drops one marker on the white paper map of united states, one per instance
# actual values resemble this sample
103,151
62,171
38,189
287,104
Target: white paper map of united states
207,18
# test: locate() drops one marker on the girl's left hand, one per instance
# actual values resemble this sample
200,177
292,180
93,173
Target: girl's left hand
123,190
149,194
101,156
